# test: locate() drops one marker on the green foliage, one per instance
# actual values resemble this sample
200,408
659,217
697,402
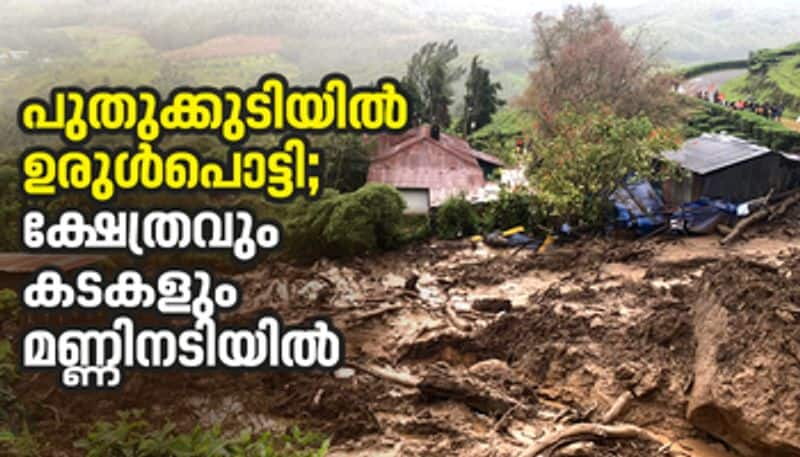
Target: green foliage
9,208
714,118
574,170
456,218
342,225
509,210
429,78
414,227
21,444
8,375
9,304
500,135
481,100
132,436
346,160
698,70
15,438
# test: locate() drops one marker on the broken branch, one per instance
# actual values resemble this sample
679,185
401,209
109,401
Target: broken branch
617,408
767,212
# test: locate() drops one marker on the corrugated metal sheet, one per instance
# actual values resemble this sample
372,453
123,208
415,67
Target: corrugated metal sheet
712,152
446,167
23,263
730,169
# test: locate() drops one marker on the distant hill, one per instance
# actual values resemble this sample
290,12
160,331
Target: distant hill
368,39
91,42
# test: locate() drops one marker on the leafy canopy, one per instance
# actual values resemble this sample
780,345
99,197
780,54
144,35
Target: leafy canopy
429,78
481,99
589,155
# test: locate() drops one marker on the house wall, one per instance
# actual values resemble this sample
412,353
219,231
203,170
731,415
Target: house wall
428,166
745,181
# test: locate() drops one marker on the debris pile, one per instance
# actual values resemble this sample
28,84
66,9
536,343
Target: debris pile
599,347
747,370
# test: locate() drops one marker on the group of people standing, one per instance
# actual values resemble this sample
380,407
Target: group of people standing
772,111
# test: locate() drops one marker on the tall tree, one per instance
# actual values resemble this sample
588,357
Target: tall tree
429,78
583,60
481,99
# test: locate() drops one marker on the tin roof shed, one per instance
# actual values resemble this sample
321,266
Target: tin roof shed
729,168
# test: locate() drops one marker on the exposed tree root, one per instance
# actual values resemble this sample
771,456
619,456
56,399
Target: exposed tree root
588,432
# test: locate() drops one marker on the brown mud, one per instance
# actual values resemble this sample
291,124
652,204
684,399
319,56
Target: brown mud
588,322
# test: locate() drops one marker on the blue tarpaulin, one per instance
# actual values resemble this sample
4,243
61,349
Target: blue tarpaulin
638,206
702,216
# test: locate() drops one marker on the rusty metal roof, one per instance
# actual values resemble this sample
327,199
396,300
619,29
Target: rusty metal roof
18,262
392,144
445,166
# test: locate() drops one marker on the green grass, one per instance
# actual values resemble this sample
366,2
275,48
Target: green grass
736,88
133,436
773,77
786,75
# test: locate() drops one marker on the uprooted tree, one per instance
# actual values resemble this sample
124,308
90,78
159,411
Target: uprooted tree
583,60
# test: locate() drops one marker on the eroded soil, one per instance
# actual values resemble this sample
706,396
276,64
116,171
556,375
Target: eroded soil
589,321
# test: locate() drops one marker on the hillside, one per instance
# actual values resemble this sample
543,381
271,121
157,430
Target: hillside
103,55
368,40
773,76
91,42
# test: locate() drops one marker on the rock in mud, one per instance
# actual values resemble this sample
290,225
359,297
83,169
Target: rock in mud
746,384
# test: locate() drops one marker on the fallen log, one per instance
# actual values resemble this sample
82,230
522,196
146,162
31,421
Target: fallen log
447,385
785,205
767,212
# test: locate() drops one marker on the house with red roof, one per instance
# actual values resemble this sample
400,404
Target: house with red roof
428,166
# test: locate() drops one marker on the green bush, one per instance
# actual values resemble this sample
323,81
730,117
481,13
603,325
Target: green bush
9,304
10,205
509,210
15,439
414,227
132,436
585,157
456,218
342,225
746,124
